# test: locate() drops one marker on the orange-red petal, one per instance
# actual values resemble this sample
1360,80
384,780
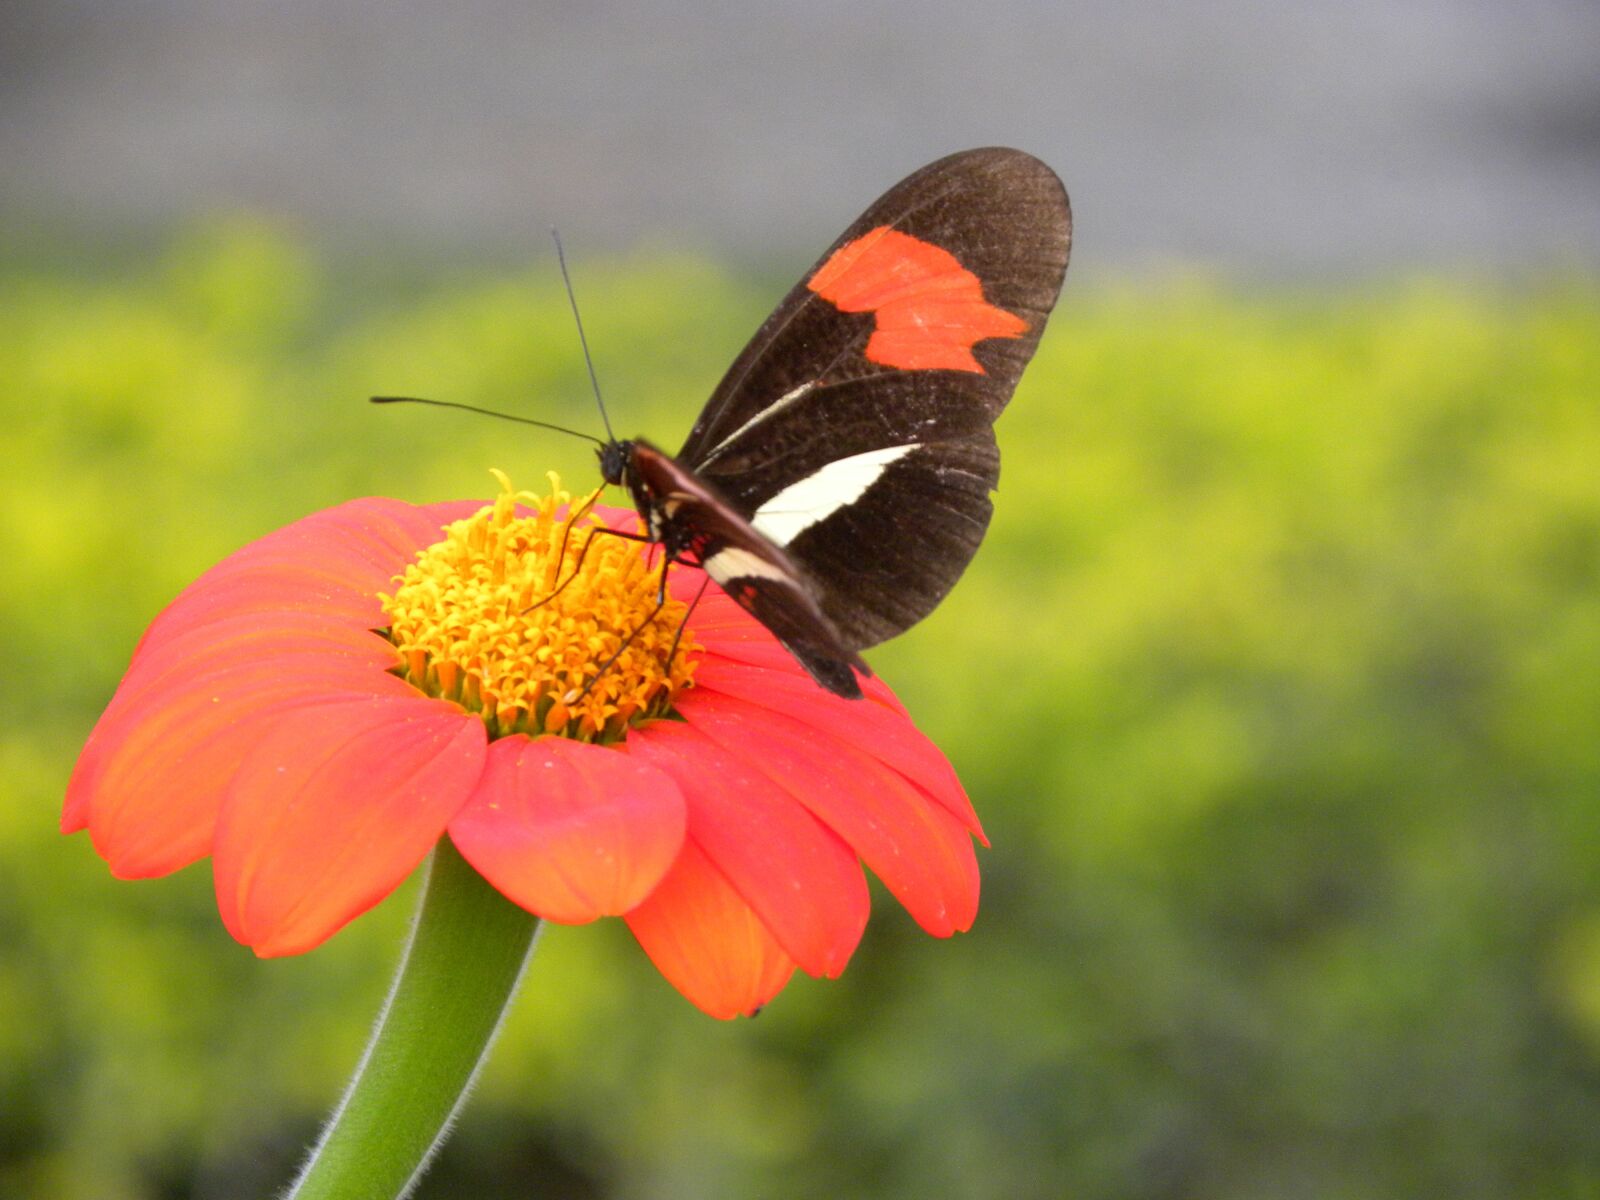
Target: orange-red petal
281,622
150,780
333,807
332,563
569,830
702,935
728,631
875,724
912,843
798,876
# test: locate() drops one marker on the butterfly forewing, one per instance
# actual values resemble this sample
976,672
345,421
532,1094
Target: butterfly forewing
1001,214
855,429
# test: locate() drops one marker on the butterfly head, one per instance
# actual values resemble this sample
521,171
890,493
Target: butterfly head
619,467
615,456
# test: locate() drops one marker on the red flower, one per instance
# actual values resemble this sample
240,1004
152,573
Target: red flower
262,721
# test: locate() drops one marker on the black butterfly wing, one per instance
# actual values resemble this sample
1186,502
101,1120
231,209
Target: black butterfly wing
855,430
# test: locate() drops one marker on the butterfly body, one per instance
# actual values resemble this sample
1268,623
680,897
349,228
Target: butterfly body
837,482
695,524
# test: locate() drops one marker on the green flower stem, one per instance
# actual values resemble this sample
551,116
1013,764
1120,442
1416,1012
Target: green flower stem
456,981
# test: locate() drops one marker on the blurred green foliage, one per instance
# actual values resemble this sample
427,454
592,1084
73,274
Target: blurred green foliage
1276,685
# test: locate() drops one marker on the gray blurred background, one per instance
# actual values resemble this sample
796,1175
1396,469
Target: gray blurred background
1271,138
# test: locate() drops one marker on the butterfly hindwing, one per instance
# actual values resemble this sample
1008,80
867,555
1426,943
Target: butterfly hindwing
855,429
882,562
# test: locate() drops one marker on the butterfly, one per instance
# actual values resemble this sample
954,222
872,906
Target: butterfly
838,481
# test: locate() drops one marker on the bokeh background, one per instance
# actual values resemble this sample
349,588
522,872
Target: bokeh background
1276,683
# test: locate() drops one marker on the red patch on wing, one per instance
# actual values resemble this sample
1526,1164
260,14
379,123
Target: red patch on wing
930,309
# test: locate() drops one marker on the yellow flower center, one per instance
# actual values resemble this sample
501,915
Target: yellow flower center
540,624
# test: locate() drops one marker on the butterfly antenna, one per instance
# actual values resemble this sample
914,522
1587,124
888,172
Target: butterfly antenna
588,360
486,412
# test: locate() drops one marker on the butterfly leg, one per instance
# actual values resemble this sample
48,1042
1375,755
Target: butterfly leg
705,582
566,538
661,602
594,532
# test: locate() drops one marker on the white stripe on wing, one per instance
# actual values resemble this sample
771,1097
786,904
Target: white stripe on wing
818,496
777,406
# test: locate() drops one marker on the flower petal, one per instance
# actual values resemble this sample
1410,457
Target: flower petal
703,937
237,639
569,830
872,724
728,631
798,876
333,808
333,562
150,781
915,846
